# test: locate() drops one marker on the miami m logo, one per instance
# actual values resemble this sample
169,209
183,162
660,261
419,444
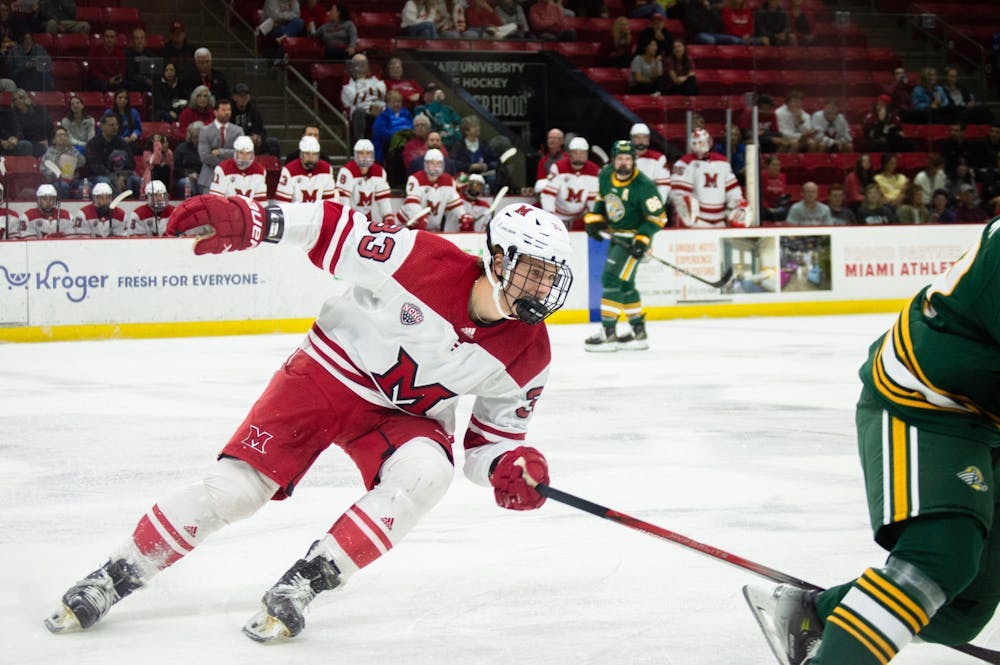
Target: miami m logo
365,199
309,197
574,195
434,205
399,385
248,194
711,180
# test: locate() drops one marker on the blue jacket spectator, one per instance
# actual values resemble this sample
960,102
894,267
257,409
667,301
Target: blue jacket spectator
391,120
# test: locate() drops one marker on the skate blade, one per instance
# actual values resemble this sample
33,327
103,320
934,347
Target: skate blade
634,345
762,605
607,347
62,621
265,629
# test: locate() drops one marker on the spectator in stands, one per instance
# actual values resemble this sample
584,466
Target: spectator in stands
962,174
873,209
510,11
810,211
990,147
177,49
617,47
930,101
737,20
774,197
107,62
308,130
957,147
833,132
313,15
991,188
215,143
737,152
129,123
801,33
656,32
704,23
900,91
549,22
109,158
140,63
839,212
771,24
159,161
484,22
79,126
858,179
337,33
25,16
678,72
391,120
768,136
434,142
932,178
646,72
449,18
911,208
411,91
33,121
285,17
418,20
60,16
962,102
200,107
890,181
204,74
29,65
593,8
247,116
187,163
471,153
13,141
646,9
795,124
550,153
417,145
968,211
882,127
362,97
67,160
169,97
941,211
443,117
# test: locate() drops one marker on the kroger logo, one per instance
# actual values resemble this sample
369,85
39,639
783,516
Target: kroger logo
56,277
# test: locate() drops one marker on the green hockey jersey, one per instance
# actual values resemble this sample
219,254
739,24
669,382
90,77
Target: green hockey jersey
631,205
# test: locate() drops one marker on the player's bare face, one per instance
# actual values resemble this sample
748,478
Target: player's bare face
532,277
641,142
624,165
309,160
102,200
577,158
244,158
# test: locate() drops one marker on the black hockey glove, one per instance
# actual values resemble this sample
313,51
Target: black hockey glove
639,246
595,225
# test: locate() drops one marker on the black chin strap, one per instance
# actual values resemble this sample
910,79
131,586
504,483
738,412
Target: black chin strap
530,310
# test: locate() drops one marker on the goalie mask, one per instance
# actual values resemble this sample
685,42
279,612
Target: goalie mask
535,276
101,195
244,152
623,159
364,153
701,142
308,152
46,198
156,196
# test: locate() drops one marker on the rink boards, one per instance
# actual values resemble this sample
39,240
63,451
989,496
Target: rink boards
93,289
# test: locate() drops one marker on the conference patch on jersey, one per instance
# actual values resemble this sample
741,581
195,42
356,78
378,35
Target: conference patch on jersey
973,477
614,207
410,315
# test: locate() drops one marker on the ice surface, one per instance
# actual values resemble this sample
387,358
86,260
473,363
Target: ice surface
738,433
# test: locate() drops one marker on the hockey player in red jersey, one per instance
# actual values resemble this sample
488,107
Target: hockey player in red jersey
652,163
572,185
103,221
151,219
434,189
47,219
705,192
307,178
362,184
13,222
380,375
472,188
241,175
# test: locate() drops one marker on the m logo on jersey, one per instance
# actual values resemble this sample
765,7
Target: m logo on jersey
973,477
410,315
248,194
257,439
365,199
574,195
711,180
399,386
309,197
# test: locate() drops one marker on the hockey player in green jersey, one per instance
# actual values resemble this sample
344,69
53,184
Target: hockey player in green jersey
928,423
629,208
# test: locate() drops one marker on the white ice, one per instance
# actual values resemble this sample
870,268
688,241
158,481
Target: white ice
738,433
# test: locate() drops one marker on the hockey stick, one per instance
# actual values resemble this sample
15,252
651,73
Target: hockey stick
497,199
51,166
121,197
984,654
507,155
423,212
717,284
600,153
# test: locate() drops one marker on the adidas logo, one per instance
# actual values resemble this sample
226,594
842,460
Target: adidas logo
388,522
191,531
469,332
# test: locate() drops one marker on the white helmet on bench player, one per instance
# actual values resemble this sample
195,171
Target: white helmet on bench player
535,276
156,195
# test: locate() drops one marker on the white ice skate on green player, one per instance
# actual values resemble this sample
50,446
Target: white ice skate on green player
787,617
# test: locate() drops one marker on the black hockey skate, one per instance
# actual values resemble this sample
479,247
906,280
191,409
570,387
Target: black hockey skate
281,616
89,600
602,341
787,617
637,340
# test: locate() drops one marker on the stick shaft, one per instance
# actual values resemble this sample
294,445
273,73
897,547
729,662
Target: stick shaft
719,283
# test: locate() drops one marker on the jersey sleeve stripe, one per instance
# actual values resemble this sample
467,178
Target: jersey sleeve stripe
480,427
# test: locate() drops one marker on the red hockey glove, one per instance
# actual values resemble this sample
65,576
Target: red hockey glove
389,220
225,225
510,488
466,223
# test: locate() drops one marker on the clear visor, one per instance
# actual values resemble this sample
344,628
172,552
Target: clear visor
244,158
434,169
364,158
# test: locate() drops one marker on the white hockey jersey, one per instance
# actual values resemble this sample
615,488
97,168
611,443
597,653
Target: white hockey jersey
441,196
15,226
403,338
114,226
653,165
569,193
363,93
60,221
146,221
367,193
711,182
479,208
229,180
297,185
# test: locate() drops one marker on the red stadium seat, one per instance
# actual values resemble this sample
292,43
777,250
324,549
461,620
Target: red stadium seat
614,80
713,107
302,50
817,166
149,128
155,43
377,24
329,78
581,54
122,19
67,74
375,47
591,29
842,162
911,163
419,44
503,45
44,40
54,102
94,15
23,177
70,45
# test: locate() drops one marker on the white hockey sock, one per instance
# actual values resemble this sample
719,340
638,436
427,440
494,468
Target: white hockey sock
413,481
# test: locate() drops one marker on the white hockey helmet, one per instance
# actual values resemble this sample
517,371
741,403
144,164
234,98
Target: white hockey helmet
101,189
243,147
700,142
46,197
579,143
308,144
434,163
156,195
364,153
639,129
533,288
